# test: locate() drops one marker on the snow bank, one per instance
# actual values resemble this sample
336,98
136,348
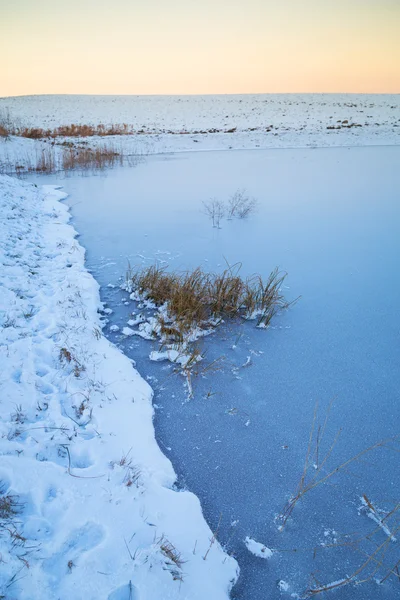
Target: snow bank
97,515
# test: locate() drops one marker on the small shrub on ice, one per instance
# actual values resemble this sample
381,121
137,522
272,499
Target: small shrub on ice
238,206
215,210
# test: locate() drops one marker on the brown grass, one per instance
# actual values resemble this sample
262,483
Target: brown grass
171,553
51,159
9,507
74,130
4,131
6,126
86,130
195,297
88,158
46,161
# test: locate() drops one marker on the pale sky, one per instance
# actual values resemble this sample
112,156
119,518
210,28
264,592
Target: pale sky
199,46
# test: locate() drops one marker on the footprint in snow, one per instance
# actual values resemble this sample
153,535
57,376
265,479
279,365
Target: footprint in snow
16,376
42,371
79,541
37,529
45,388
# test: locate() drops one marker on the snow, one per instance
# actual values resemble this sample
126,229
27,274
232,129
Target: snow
258,549
98,516
165,124
128,331
283,586
308,113
240,444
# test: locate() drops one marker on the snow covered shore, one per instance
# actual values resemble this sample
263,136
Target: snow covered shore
94,512
164,124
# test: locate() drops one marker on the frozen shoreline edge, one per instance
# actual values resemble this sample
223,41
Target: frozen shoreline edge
94,449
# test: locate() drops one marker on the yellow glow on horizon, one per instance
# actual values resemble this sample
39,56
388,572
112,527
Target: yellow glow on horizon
192,47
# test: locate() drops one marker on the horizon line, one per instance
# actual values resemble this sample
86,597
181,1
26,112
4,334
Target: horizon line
207,94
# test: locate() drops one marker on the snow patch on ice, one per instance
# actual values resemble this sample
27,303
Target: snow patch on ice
258,549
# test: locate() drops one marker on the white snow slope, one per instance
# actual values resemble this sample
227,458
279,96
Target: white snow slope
96,517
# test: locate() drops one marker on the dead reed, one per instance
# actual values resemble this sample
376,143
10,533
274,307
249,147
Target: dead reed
4,131
97,158
195,299
9,507
380,558
315,471
45,161
6,126
73,130
376,566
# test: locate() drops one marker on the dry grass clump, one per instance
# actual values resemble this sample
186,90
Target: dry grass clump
173,559
195,299
66,357
4,131
52,157
154,283
10,126
9,507
43,161
33,133
192,304
46,161
171,553
189,302
92,130
74,130
6,126
88,158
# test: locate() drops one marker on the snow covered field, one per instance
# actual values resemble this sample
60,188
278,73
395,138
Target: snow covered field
87,508
186,123
97,513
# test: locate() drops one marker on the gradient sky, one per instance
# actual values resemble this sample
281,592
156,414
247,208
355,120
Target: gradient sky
199,46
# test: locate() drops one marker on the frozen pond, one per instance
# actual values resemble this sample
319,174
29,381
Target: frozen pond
330,218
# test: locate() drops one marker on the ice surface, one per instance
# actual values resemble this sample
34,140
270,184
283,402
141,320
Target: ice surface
330,218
